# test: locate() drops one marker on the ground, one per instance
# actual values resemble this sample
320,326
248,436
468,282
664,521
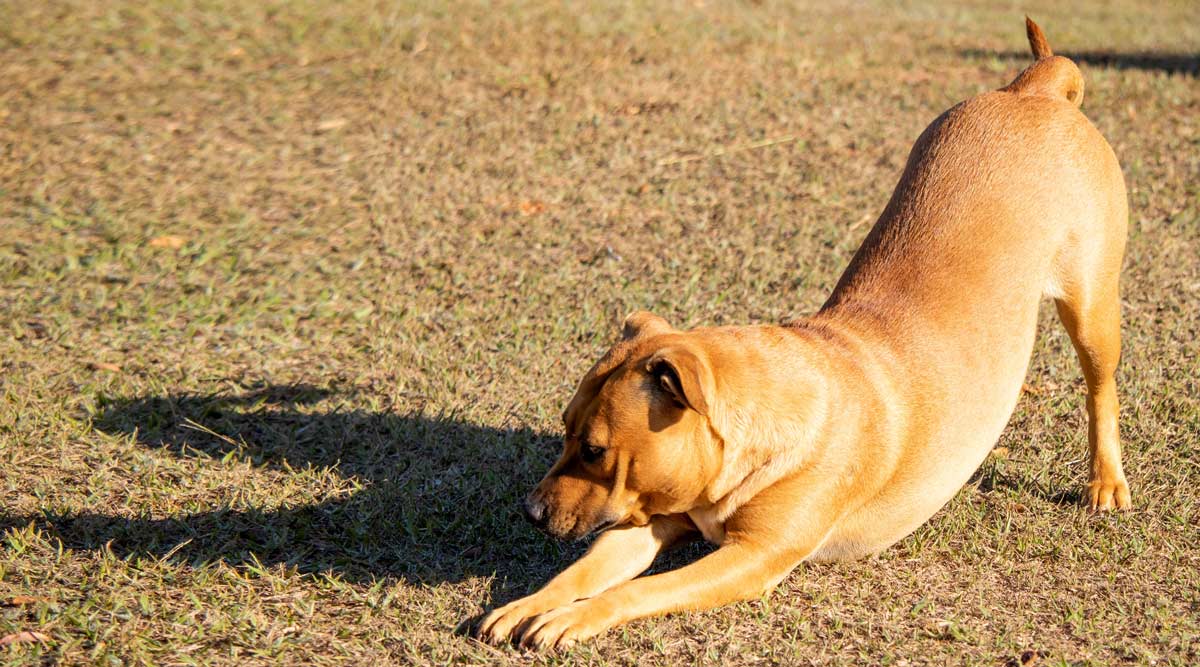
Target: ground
292,295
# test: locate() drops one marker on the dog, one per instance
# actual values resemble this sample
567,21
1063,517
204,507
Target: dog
836,436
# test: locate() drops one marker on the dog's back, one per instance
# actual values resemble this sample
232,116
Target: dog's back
1006,197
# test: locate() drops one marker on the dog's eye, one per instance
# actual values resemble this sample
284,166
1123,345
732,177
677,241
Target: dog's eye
590,453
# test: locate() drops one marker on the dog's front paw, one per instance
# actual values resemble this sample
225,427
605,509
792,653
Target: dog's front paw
501,624
562,627
1107,494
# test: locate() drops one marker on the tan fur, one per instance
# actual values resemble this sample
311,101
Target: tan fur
838,435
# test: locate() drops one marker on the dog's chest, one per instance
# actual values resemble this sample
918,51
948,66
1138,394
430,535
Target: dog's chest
710,526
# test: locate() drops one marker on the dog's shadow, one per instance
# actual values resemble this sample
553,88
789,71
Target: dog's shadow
436,497
1150,61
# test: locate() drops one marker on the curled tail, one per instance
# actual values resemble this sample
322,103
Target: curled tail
1049,75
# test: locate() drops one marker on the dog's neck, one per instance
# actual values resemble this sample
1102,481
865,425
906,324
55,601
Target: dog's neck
787,393
768,439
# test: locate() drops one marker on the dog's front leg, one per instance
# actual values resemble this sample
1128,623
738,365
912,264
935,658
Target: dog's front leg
618,555
764,541
736,571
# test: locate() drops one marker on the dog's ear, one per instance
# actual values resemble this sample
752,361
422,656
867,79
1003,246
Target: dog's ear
640,323
685,376
643,323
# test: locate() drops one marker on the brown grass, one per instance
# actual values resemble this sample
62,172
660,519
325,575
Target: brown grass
292,294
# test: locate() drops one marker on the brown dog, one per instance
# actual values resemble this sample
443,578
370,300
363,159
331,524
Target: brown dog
837,436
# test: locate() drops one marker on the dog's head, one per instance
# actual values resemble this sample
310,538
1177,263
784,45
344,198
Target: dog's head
637,440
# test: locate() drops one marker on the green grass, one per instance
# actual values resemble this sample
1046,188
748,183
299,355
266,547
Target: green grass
408,229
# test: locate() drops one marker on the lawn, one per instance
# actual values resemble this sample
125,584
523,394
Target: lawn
292,295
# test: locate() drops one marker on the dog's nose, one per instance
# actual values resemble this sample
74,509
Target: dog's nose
535,512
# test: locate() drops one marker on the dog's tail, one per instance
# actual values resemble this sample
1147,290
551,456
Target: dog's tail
1037,40
1050,75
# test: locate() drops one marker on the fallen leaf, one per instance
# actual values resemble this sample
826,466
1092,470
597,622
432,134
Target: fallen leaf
104,366
1047,388
170,241
331,124
1029,658
421,44
18,600
531,207
25,637
1000,452
38,328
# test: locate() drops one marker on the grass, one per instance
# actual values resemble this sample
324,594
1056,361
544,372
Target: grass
293,293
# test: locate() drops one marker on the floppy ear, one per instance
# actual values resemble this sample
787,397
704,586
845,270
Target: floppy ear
643,323
685,376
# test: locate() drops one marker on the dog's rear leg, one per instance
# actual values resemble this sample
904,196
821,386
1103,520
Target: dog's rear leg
1091,313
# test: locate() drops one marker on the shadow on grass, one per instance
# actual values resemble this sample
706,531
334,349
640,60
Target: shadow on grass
439,501
1172,63
989,477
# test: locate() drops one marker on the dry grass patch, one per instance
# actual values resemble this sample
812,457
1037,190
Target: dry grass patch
292,294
